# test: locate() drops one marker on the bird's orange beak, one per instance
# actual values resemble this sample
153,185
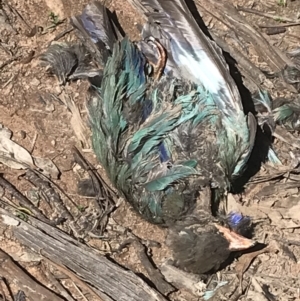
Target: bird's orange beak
236,241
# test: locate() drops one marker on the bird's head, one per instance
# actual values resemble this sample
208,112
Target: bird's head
202,248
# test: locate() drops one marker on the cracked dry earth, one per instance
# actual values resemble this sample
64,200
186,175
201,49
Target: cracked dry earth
31,108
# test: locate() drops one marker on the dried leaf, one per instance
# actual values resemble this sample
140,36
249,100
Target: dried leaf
12,154
5,132
47,166
246,259
17,157
209,294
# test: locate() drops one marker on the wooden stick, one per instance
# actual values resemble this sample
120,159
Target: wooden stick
227,14
32,289
107,279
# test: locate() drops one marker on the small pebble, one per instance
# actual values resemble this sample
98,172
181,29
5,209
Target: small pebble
22,134
35,82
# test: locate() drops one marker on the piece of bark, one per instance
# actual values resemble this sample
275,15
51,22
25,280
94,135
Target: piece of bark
62,290
107,279
183,280
155,275
15,274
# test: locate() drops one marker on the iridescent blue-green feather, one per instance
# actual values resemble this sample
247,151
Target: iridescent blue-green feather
106,105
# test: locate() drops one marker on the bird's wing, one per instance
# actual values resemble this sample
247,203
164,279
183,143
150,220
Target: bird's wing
198,57
193,56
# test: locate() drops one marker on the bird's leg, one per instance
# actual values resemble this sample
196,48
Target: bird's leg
236,241
162,57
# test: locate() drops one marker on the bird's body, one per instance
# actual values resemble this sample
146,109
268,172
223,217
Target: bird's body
172,137
159,149
170,145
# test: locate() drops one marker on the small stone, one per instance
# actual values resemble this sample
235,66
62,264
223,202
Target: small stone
58,89
22,134
49,107
35,82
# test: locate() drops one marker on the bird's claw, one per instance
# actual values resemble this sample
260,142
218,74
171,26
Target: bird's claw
162,57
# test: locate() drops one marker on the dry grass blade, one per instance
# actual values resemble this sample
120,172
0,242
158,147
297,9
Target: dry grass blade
227,14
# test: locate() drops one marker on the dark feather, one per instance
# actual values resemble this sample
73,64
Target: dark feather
287,113
198,251
97,30
69,62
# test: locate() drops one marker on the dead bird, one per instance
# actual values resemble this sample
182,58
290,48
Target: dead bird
168,127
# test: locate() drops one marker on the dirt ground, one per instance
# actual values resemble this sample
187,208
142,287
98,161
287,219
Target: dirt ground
42,125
